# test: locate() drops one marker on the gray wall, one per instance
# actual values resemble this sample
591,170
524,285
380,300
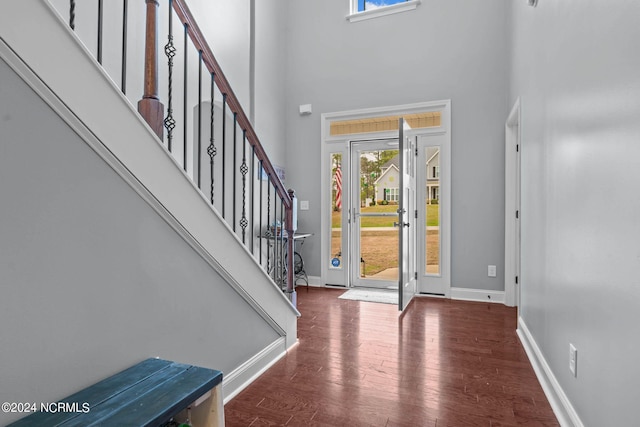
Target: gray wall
93,279
575,66
226,24
445,49
270,63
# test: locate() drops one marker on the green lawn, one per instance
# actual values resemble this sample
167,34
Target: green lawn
432,216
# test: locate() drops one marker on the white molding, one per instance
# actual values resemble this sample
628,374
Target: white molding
364,113
562,408
382,11
241,377
480,295
315,281
512,138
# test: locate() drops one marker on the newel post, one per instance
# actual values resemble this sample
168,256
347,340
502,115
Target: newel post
291,289
150,107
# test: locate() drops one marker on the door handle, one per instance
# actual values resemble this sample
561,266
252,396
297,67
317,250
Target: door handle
405,224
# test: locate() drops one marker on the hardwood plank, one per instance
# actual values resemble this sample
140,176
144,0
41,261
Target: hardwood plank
444,363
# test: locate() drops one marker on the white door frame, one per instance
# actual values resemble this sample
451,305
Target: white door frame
429,283
332,144
512,214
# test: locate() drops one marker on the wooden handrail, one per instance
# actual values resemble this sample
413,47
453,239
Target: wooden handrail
200,43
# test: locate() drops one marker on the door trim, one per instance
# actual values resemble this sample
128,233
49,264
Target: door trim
332,144
512,204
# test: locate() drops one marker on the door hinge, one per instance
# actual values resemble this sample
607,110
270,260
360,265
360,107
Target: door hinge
415,275
416,151
517,147
516,280
416,214
517,214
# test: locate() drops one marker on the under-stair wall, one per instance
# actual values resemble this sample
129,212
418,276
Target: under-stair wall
108,253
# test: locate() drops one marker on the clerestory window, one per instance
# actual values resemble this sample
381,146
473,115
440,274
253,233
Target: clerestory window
376,4
366,9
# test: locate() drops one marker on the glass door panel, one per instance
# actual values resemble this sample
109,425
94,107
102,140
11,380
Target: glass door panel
432,208
335,257
431,217
375,186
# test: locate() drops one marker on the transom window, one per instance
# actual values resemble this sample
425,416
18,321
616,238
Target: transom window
375,4
367,9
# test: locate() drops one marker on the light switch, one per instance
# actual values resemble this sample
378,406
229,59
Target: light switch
491,271
304,205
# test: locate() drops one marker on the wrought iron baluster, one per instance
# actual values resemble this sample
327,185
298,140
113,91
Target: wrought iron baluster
243,171
100,10
279,248
170,51
199,117
252,182
260,232
224,144
211,150
283,252
233,167
186,98
123,85
72,14
268,233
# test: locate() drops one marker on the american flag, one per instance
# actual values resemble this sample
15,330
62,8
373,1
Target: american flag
338,188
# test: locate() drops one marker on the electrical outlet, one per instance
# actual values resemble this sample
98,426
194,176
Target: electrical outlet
573,360
491,271
304,205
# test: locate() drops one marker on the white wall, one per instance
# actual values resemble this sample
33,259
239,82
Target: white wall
445,49
93,279
575,66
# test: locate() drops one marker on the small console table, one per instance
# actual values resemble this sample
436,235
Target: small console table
298,262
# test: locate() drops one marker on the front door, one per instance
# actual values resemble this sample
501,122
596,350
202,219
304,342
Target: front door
407,215
375,186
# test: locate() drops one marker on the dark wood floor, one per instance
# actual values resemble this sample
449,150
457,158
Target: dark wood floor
443,363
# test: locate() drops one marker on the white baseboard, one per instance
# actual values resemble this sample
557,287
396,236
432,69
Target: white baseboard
246,373
562,408
481,295
315,281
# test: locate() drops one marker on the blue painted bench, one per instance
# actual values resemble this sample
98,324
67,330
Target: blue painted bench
148,394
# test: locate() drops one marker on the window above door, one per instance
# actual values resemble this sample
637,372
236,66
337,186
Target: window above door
367,9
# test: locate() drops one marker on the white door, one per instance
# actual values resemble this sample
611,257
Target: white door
374,194
407,215
360,245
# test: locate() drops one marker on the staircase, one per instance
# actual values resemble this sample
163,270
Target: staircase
145,226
